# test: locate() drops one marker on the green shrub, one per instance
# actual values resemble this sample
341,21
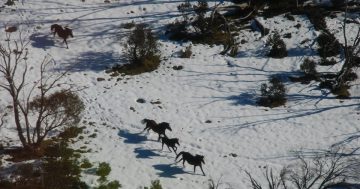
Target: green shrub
278,46
211,31
128,25
317,18
111,185
155,184
272,94
328,45
308,67
141,51
103,171
86,164
341,92
71,132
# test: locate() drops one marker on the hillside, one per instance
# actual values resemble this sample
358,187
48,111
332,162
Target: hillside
210,103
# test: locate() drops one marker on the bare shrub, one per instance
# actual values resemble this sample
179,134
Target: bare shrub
35,117
317,172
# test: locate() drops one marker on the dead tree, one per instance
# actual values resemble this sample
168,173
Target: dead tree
351,52
36,106
316,172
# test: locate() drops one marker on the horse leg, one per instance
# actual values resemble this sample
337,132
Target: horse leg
162,146
194,168
169,148
159,138
183,162
66,43
174,148
202,170
179,160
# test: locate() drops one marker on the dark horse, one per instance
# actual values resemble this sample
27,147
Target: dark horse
63,33
157,128
192,160
170,142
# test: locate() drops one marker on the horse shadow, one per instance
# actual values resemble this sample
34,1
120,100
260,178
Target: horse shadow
169,170
132,138
145,153
94,61
41,41
242,99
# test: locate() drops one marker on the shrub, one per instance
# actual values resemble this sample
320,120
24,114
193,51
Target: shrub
338,3
186,53
327,62
128,25
272,94
86,164
155,184
281,5
141,51
308,67
207,30
111,185
328,45
103,171
278,46
10,2
71,132
341,92
141,44
317,18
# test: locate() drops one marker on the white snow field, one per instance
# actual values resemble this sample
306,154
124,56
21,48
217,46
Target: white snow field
211,87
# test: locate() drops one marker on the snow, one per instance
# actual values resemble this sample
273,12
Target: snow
210,87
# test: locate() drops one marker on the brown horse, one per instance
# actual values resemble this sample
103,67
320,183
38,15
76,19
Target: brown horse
157,128
63,33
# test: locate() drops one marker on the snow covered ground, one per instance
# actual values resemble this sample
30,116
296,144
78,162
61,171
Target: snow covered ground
241,136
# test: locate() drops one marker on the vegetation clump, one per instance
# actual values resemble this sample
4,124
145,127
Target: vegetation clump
141,52
278,46
198,27
272,94
155,184
328,45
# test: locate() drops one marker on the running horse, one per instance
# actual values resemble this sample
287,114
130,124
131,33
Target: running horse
62,32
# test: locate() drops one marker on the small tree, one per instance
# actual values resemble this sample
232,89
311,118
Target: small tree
141,51
272,95
351,52
278,46
141,45
37,109
308,67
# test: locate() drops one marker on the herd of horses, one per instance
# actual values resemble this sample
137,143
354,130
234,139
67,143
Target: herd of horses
160,129
197,160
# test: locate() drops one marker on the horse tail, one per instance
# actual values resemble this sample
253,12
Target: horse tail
178,155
